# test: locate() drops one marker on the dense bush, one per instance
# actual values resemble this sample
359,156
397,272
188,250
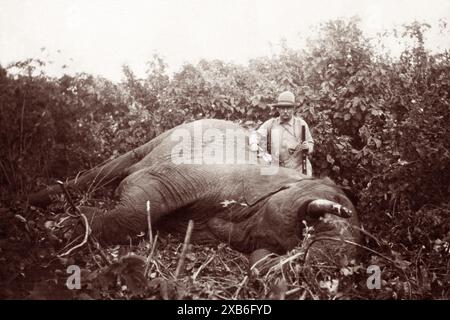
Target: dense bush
380,123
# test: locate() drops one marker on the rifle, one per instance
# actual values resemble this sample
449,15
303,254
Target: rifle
302,156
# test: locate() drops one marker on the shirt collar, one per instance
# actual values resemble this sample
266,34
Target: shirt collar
290,122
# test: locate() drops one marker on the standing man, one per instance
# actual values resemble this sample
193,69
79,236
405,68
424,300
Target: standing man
283,134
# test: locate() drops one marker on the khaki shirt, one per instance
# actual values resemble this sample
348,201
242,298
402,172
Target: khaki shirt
284,136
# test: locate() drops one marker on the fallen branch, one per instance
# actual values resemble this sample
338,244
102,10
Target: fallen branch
67,195
264,258
149,222
154,245
295,290
354,244
241,285
85,239
86,225
282,262
202,267
70,244
150,255
187,239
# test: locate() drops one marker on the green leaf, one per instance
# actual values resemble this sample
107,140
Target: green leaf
337,115
356,101
377,142
330,159
375,112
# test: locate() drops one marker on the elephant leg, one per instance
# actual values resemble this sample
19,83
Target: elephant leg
129,219
226,231
119,226
248,235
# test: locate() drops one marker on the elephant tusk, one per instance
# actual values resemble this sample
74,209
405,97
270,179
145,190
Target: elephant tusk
319,207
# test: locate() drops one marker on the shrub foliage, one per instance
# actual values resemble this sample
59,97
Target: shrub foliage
380,123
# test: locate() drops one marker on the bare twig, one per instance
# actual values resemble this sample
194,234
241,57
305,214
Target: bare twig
367,233
69,244
149,222
187,239
158,270
202,267
150,256
282,262
258,262
356,245
295,290
93,186
97,246
151,244
85,239
154,245
86,224
241,285
315,297
59,224
93,256
69,199
225,265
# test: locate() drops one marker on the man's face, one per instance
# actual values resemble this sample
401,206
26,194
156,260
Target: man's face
286,113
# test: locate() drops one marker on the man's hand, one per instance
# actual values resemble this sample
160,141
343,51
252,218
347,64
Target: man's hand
305,146
254,147
267,157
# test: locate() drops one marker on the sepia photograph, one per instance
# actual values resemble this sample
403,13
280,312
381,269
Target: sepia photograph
240,151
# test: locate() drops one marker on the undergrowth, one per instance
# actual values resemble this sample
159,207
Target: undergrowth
35,264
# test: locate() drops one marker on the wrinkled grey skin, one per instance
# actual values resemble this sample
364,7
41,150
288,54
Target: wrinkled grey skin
231,203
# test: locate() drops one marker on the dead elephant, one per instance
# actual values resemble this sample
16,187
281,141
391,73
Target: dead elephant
247,205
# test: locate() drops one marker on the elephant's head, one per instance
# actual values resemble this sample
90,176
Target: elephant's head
316,203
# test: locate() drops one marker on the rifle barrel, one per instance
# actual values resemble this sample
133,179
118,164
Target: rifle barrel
303,156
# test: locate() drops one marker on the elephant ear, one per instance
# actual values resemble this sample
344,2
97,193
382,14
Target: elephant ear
257,186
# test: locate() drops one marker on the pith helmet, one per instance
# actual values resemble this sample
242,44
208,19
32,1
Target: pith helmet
285,99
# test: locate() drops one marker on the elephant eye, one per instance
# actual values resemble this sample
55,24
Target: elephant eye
291,151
